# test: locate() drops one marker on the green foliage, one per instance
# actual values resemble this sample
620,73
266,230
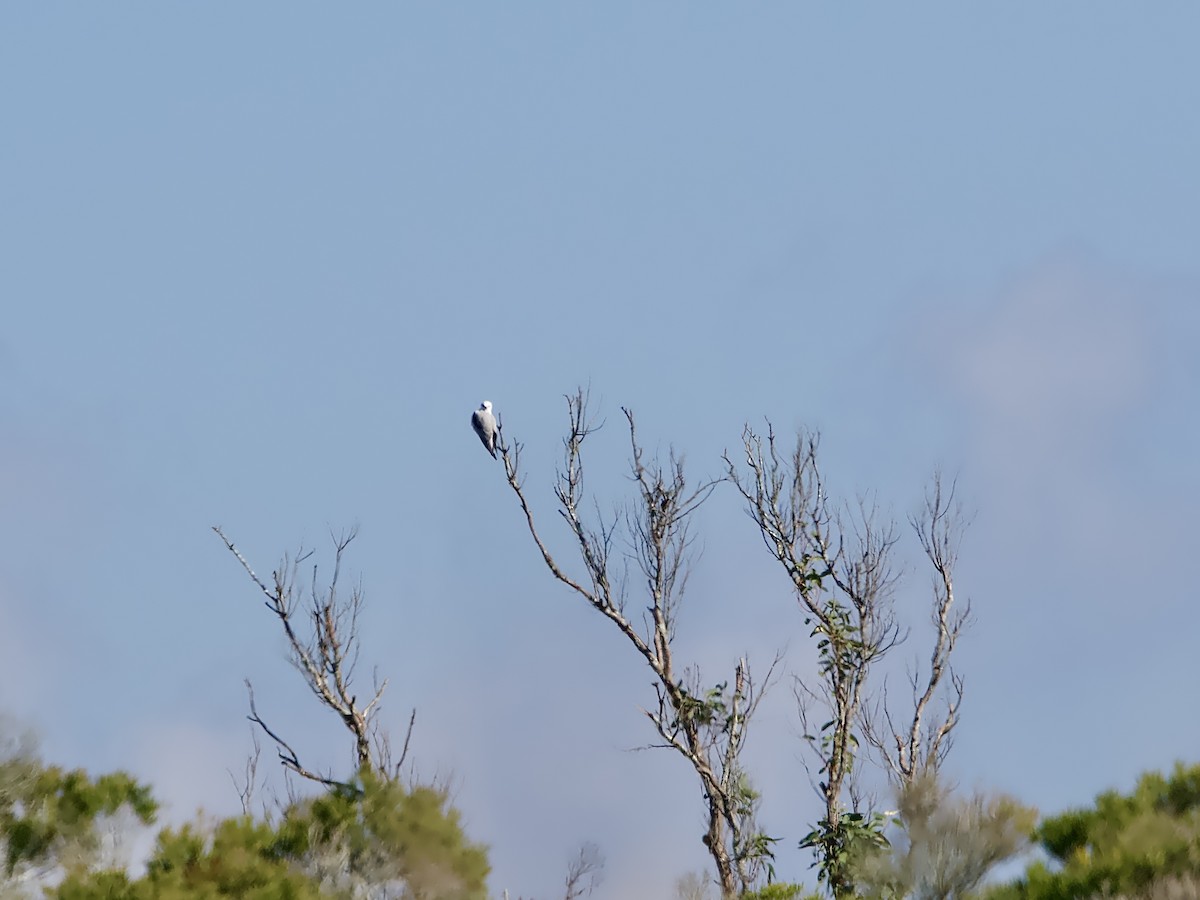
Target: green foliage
1135,844
944,845
374,839
756,847
60,807
49,816
696,886
719,712
779,890
840,648
378,833
1170,887
107,885
838,844
708,710
240,858
843,655
237,857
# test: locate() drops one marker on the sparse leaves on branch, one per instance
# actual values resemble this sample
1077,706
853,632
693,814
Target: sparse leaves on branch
839,561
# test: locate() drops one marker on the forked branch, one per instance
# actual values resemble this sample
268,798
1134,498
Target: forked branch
705,725
325,655
920,744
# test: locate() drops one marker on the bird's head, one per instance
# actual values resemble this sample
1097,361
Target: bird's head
486,405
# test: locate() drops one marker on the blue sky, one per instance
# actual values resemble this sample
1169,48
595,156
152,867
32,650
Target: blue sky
259,263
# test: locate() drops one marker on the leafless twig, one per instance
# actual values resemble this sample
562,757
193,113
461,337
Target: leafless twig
287,756
911,748
585,872
707,726
247,785
325,657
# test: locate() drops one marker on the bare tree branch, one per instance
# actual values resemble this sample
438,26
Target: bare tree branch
707,726
922,743
325,656
287,756
585,872
384,749
247,785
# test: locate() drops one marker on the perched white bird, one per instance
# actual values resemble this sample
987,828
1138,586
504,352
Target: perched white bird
485,426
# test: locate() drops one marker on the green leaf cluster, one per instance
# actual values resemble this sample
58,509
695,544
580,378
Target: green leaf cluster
49,815
780,890
1124,844
373,838
381,833
840,843
238,857
706,711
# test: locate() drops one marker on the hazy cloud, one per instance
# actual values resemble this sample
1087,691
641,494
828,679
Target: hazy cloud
1048,379
1054,361
1066,386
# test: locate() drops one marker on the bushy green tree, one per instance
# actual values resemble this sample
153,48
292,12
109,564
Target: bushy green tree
372,839
380,838
780,890
1142,844
50,817
239,858
1167,887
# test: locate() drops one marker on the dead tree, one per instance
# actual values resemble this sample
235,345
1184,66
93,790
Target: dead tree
324,650
915,745
706,725
584,873
840,566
